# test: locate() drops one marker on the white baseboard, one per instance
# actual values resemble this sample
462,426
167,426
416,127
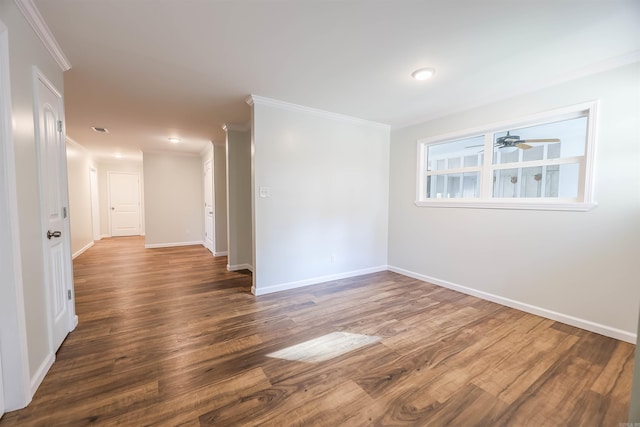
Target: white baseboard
224,253
539,311
81,251
38,377
74,323
105,236
171,245
240,267
315,280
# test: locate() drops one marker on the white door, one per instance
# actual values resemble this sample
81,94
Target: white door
124,203
95,204
57,254
208,206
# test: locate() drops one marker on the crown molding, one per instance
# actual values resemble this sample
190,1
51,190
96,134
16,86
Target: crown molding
76,144
238,128
171,153
260,100
32,15
208,146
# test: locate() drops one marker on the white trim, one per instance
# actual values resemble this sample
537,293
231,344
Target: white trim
260,100
40,27
94,196
315,280
74,321
539,311
223,253
169,152
238,267
78,145
173,244
520,204
584,201
16,361
207,147
567,112
106,236
40,78
140,200
81,251
44,367
209,162
228,127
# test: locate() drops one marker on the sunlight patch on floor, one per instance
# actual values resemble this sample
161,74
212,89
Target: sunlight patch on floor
325,347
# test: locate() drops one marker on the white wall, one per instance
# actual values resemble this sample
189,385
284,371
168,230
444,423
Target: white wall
173,199
13,343
327,211
582,266
25,51
238,156
120,165
220,199
78,164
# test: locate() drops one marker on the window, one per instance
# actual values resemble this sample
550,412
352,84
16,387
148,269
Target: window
541,162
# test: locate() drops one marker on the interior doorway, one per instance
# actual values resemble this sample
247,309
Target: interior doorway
50,146
95,204
208,205
124,203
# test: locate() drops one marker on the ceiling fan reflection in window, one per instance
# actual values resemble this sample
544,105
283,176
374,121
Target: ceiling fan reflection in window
509,141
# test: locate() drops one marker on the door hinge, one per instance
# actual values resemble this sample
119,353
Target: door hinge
60,126
69,294
64,212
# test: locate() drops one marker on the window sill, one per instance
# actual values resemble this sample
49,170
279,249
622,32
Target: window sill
511,204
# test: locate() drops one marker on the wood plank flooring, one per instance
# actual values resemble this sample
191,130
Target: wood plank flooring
168,337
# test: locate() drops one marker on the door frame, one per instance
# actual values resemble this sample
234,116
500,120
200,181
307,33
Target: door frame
72,318
95,203
13,336
213,204
140,216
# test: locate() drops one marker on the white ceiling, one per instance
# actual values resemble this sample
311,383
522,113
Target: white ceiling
151,69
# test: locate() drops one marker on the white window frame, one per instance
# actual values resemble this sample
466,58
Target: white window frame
584,200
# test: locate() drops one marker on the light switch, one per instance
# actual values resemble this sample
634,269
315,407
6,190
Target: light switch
265,192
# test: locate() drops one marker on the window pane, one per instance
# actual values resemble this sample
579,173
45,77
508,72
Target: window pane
540,142
534,153
471,184
506,155
454,154
454,162
470,161
531,182
453,185
505,183
542,181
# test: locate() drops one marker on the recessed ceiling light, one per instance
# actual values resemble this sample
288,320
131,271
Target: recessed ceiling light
117,156
99,130
423,73
174,140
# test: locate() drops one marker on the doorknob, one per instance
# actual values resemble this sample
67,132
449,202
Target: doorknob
113,209
51,234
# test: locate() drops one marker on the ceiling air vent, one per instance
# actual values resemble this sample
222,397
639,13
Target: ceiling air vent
99,130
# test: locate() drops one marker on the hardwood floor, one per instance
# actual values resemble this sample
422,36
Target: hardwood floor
169,337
